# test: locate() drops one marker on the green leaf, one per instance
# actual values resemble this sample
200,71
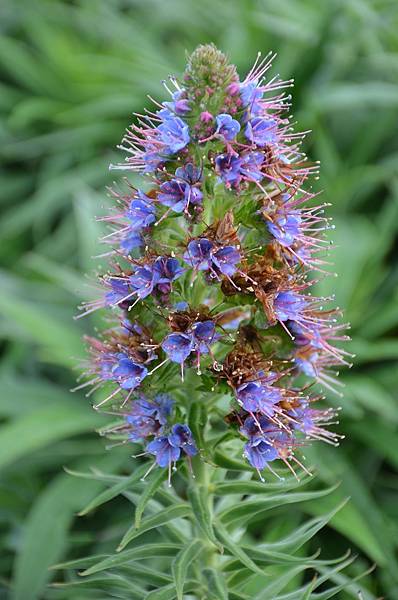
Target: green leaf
197,422
60,341
44,537
380,437
231,464
255,487
216,586
199,498
43,427
235,549
115,490
165,516
147,494
168,592
298,537
181,563
252,509
139,553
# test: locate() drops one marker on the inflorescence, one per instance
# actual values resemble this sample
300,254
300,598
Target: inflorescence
210,275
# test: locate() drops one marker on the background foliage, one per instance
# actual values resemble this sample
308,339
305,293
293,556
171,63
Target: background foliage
72,74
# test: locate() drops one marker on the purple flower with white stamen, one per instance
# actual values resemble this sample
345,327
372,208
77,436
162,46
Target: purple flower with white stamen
258,396
130,241
166,270
156,276
312,422
128,373
178,346
286,228
179,105
152,161
173,132
182,436
228,168
198,254
141,212
259,453
254,427
289,305
262,131
227,127
147,417
251,96
202,254
189,173
119,290
178,195
165,450
250,167
142,281
203,334
308,365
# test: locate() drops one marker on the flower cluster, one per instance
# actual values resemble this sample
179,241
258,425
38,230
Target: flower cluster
211,273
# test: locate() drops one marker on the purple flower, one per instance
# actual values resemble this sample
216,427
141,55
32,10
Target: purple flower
178,195
106,363
147,417
179,105
225,260
174,133
314,335
228,168
227,126
253,428
166,270
119,290
289,306
182,436
203,334
256,396
251,96
140,427
307,365
198,254
189,173
262,131
178,346
143,281
152,161
232,168
159,408
164,449
259,452
251,166
167,449
286,228
128,373
131,240
141,212
203,255
159,274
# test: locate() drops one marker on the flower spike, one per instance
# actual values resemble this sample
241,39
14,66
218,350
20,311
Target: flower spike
211,277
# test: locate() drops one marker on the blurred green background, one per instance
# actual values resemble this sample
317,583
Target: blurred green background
72,74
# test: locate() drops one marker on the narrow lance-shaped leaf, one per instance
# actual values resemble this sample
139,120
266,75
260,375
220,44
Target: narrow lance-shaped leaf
165,516
149,490
199,498
181,563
